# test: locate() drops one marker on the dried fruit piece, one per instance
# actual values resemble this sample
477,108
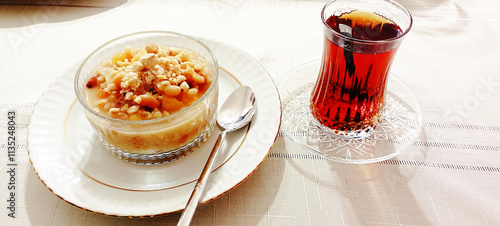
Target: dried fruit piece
92,82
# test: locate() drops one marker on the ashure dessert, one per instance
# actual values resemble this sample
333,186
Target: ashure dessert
148,83
150,103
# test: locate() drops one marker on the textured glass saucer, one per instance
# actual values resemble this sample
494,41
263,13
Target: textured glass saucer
400,124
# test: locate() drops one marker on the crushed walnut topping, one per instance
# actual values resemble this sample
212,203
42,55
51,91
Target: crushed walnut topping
148,83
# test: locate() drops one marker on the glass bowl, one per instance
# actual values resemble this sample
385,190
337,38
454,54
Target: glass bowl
159,140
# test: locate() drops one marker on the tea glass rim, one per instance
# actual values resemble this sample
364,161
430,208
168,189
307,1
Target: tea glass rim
87,107
362,41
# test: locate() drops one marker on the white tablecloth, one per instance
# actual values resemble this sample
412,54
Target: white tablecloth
449,176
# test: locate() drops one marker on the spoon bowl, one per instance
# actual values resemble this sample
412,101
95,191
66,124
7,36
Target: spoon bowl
238,110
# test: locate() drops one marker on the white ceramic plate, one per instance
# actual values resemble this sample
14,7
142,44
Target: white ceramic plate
70,160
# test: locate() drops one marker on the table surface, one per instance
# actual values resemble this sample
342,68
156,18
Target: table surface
449,176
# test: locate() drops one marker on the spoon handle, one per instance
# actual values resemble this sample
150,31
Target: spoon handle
188,212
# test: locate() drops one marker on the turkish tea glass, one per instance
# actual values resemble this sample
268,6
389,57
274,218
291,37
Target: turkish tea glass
361,38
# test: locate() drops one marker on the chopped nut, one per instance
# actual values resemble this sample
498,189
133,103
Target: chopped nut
163,60
138,100
187,64
188,71
114,110
152,47
174,61
192,91
183,56
158,70
112,74
133,109
122,116
125,85
128,51
117,80
198,67
174,51
157,114
184,86
124,107
184,65
111,87
133,82
148,100
106,63
107,106
137,66
129,96
173,81
198,78
149,60
100,79
180,78
101,102
146,114
123,63
102,94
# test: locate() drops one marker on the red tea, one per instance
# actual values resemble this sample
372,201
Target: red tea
349,92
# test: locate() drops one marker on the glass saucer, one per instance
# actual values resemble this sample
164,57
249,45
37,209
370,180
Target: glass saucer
401,121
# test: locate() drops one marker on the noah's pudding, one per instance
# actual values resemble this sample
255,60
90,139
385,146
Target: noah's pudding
153,103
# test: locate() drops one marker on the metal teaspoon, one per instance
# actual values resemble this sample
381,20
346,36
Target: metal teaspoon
236,112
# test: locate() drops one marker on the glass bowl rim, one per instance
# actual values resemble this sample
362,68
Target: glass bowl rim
148,121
